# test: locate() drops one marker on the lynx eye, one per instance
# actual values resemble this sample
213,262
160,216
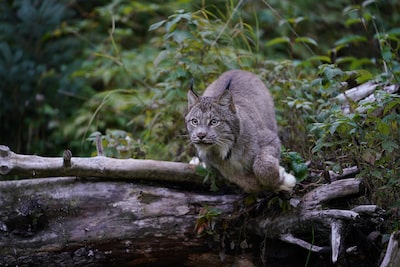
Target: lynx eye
194,122
214,122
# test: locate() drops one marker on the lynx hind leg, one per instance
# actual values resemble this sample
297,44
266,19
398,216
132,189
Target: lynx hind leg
266,169
272,176
249,183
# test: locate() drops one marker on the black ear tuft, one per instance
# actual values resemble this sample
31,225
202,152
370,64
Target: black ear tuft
191,84
228,84
193,98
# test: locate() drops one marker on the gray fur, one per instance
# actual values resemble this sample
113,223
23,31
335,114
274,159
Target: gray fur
234,130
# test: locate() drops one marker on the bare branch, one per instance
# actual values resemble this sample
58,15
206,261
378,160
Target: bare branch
39,167
289,238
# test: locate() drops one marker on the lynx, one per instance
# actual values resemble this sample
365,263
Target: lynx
234,130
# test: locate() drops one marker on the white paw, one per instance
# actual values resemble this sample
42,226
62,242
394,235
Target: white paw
289,181
196,161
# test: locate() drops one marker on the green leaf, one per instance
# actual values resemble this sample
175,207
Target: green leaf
325,59
334,127
352,21
368,2
278,40
299,167
201,171
157,25
351,39
386,53
389,145
383,128
297,20
306,40
364,76
391,105
161,56
332,73
394,32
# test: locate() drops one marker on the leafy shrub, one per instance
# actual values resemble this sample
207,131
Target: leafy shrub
36,58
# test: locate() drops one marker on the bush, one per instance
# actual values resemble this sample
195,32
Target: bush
36,59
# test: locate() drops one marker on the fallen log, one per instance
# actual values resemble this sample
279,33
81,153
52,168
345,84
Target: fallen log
70,221
79,221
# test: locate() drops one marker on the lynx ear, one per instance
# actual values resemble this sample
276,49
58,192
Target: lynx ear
226,100
193,98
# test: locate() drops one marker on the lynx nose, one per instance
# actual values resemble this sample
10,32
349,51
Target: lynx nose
201,135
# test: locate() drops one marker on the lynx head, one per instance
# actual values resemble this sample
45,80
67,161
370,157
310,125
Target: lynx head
212,122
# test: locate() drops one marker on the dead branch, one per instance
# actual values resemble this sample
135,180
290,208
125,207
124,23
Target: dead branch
39,167
313,214
363,92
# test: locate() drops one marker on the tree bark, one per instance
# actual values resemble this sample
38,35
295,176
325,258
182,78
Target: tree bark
70,221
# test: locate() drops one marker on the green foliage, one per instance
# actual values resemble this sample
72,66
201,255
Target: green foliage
210,177
189,46
296,164
36,57
119,144
206,221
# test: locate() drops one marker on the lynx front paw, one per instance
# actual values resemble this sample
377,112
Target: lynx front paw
196,161
288,180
